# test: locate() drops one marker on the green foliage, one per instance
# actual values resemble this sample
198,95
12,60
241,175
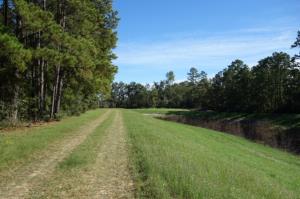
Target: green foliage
12,54
271,79
170,77
272,86
236,80
297,44
193,75
55,55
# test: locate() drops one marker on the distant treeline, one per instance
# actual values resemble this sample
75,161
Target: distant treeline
273,85
55,56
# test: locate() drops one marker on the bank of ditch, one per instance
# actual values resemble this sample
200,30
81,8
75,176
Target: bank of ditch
279,131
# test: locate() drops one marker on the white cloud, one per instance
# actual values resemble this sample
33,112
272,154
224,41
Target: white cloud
249,44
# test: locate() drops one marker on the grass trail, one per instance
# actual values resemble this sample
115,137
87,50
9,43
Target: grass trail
98,168
25,178
180,161
20,147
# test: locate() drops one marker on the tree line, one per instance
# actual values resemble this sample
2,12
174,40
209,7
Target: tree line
55,56
272,86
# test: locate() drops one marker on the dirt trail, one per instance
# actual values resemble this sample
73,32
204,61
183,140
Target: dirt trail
108,176
24,179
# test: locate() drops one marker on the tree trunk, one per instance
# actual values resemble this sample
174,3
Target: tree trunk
44,4
53,102
59,94
41,77
5,12
16,87
45,84
55,92
15,100
57,88
42,88
37,89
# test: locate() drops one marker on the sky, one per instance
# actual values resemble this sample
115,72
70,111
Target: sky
156,36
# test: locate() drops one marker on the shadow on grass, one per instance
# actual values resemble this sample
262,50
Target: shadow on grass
276,130
285,120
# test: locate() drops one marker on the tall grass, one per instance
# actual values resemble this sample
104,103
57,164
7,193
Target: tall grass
16,147
179,161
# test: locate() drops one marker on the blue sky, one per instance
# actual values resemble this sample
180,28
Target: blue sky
156,36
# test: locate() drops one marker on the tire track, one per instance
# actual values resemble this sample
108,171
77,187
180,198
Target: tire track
110,176
26,178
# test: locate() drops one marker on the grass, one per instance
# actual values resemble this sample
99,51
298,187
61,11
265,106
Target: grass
67,181
17,147
159,110
86,152
173,160
284,120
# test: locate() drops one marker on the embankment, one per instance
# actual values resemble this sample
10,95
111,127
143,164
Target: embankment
262,131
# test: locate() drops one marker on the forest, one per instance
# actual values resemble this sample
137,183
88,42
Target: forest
271,86
55,57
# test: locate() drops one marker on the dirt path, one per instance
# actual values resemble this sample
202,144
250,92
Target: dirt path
110,176
24,179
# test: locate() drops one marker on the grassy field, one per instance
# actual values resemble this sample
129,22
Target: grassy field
179,161
17,147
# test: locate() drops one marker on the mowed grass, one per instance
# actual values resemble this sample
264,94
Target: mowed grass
172,160
18,146
86,153
67,181
284,120
159,110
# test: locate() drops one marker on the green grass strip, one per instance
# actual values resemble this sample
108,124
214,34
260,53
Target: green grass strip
17,147
86,153
159,110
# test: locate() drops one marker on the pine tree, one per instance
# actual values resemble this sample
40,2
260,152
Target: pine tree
67,47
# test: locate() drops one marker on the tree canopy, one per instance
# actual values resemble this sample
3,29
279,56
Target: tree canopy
56,56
